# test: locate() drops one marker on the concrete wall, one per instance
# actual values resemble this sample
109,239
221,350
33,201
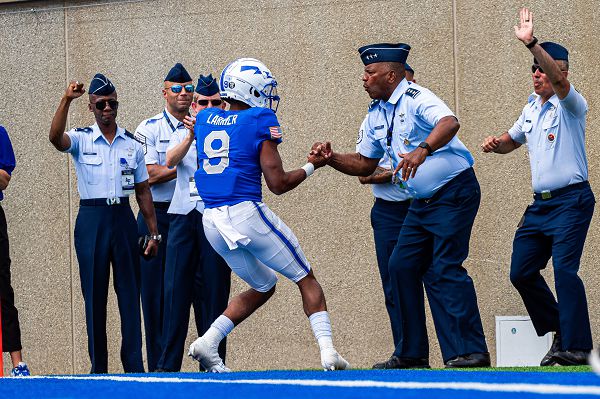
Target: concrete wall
465,51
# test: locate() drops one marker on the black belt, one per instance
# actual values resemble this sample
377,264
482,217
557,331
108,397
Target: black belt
388,202
544,195
123,201
161,205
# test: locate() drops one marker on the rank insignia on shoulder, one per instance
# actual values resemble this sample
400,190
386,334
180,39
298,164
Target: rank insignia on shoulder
373,104
131,136
412,92
84,129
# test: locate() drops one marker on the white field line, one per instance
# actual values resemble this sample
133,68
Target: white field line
461,386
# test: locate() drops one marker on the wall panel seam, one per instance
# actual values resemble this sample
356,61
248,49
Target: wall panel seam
455,57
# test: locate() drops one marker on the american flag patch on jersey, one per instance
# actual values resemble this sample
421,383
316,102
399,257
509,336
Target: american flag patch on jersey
275,132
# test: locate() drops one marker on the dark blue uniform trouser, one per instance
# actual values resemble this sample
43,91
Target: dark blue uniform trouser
195,274
557,228
386,219
11,331
151,289
434,240
105,235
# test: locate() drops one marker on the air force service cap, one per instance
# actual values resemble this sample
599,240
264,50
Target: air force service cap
101,86
408,67
555,50
384,52
178,74
207,85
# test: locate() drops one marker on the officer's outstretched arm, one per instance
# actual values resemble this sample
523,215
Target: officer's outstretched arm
354,164
278,180
57,136
557,77
500,145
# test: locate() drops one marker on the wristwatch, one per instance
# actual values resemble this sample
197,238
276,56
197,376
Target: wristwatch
156,237
425,145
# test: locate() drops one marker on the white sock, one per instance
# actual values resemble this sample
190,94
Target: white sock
218,330
321,326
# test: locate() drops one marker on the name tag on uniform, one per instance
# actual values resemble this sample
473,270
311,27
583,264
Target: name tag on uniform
194,196
127,179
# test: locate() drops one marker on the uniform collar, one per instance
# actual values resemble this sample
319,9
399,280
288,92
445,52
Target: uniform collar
174,121
398,92
537,100
97,133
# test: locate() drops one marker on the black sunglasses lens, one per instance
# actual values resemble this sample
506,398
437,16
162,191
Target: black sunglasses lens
113,104
535,68
176,88
214,103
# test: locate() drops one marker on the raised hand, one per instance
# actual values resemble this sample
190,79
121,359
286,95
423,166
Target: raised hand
319,154
189,122
74,90
524,31
490,144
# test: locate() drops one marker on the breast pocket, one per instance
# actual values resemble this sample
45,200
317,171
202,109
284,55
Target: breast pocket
161,148
129,158
407,135
91,166
550,128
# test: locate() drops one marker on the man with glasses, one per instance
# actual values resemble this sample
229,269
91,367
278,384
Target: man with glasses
109,164
194,272
556,223
417,130
154,135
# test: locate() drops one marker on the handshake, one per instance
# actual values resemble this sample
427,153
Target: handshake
320,154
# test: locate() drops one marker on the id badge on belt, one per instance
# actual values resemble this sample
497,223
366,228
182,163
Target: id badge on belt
194,196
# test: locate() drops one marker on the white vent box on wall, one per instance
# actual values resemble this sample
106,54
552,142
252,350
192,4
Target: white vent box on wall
517,343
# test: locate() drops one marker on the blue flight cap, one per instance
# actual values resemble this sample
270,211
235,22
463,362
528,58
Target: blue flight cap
408,67
178,74
101,86
555,50
207,85
384,52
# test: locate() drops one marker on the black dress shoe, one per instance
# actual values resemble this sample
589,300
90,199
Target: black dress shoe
571,358
547,360
396,362
470,360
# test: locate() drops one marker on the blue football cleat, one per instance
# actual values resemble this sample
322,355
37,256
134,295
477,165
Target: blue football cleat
20,371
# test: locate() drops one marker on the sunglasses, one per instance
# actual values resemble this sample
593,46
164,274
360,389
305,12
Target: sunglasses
214,103
178,88
535,67
113,104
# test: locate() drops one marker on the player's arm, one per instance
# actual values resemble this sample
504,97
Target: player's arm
380,176
278,180
500,145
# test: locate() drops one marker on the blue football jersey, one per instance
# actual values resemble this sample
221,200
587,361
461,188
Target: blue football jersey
229,144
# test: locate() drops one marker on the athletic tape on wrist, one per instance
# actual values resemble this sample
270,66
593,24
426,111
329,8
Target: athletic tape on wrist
309,168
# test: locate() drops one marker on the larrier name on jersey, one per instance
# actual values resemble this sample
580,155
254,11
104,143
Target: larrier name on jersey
219,120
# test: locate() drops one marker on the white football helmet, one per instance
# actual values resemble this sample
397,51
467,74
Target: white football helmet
248,80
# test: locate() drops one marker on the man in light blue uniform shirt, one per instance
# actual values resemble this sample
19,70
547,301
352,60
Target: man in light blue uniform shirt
110,166
418,132
194,272
387,215
556,223
154,135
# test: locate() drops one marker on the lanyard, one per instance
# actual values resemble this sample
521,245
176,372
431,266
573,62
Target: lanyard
173,128
390,124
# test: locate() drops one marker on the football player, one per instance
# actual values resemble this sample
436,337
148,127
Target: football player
235,148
